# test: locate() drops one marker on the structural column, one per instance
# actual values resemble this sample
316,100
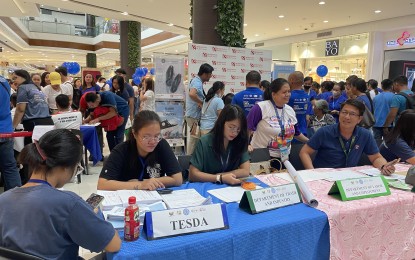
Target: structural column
204,19
130,46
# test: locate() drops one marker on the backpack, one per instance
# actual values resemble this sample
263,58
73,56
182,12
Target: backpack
410,100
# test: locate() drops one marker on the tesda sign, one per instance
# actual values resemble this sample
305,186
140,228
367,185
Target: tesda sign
332,48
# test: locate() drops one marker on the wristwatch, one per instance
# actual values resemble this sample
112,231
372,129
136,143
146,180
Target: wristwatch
218,179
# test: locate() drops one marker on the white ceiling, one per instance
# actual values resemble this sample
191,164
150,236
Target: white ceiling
261,17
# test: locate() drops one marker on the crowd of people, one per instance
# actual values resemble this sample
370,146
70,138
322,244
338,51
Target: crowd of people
326,119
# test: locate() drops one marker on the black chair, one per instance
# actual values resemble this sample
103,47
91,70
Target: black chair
85,166
295,156
6,253
260,155
184,161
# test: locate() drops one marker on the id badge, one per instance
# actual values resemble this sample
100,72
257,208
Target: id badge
284,153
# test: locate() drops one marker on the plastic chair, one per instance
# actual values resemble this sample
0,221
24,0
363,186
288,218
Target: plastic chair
6,253
184,161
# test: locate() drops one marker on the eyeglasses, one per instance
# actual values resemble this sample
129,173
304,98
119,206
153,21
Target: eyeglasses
351,114
233,129
147,139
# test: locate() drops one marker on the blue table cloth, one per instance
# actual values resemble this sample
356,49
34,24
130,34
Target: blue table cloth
293,232
91,142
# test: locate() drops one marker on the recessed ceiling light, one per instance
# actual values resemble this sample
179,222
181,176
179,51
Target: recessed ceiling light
256,35
287,29
124,13
65,0
377,11
325,21
281,16
245,24
321,3
59,9
170,24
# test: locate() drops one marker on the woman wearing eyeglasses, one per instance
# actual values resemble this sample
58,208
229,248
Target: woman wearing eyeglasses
273,122
221,156
38,210
144,162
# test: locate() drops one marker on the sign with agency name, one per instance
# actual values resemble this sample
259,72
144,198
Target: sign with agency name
332,48
360,188
174,222
257,201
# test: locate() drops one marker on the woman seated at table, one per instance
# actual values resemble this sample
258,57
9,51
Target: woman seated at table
221,156
38,210
273,122
144,162
400,143
321,116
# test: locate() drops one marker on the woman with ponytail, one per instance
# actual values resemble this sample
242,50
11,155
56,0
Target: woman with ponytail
39,210
212,106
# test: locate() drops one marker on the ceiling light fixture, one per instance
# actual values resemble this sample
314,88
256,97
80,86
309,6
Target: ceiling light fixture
281,16
124,13
256,35
287,29
245,24
378,11
325,21
170,24
321,3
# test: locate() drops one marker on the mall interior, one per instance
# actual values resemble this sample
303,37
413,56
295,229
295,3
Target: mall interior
369,39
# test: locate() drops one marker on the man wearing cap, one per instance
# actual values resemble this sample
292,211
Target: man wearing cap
66,83
121,72
53,90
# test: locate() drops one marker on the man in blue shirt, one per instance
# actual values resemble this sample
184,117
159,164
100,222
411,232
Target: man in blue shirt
8,166
251,95
308,82
341,145
194,102
381,104
299,100
116,105
398,104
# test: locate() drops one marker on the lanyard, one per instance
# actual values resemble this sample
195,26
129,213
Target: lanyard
224,166
344,148
280,119
39,181
143,163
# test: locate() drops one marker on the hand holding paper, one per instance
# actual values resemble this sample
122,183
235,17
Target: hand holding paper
389,168
230,178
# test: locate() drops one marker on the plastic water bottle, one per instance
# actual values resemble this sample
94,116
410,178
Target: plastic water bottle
131,221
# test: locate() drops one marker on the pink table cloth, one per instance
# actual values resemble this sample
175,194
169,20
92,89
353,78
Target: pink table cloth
373,228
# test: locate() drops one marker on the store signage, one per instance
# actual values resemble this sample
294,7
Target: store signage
332,48
405,39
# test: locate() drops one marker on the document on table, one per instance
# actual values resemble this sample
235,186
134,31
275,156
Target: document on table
229,194
342,175
306,175
111,199
143,197
376,172
185,198
94,125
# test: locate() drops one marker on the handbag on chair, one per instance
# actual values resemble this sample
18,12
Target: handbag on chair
264,167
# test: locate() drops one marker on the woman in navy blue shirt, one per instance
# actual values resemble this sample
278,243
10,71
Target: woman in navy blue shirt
88,84
118,87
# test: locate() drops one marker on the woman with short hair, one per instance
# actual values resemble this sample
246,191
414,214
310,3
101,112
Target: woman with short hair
321,116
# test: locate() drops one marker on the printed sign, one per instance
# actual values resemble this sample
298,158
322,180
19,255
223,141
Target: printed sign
360,188
257,201
174,222
169,78
171,116
332,48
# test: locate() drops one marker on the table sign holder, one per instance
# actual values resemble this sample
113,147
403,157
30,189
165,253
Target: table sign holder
360,188
183,221
257,201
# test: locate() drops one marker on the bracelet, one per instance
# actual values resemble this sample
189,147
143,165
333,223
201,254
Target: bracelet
220,179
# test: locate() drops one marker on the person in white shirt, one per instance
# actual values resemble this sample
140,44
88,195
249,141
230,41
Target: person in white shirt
147,97
66,118
54,89
66,81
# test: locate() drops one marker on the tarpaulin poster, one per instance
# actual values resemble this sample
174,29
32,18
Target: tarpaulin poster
171,116
169,78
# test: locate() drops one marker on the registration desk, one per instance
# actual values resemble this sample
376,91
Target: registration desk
294,232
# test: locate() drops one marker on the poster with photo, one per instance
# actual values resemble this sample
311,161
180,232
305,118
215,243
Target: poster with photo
230,64
171,116
169,78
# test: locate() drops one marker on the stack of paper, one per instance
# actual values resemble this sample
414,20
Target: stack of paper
341,175
111,199
143,197
185,198
229,194
376,172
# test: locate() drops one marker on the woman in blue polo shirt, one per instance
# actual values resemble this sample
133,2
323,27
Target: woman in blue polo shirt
335,101
400,143
212,105
221,156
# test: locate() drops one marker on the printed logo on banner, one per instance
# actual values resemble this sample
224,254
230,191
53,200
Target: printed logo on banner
238,50
228,70
193,75
242,84
247,58
215,76
264,71
219,49
218,63
209,55
236,77
199,47
262,59
229,83
245,71
255,65
195,61
228,57
237,64
256,52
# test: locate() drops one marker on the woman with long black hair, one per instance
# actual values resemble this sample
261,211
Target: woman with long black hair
118,87
212,106
221,156
400,142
